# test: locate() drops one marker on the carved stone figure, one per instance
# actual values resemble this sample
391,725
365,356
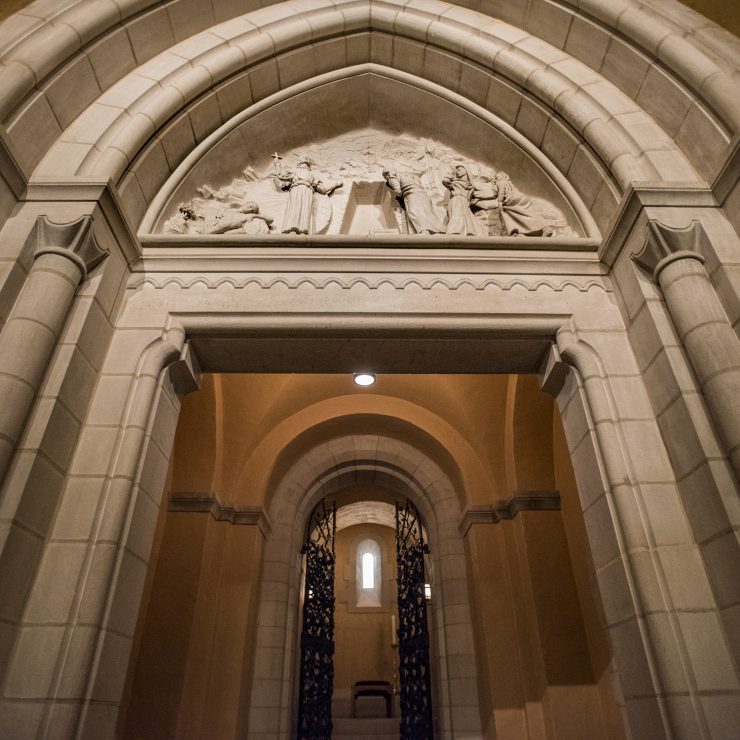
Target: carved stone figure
301,185
461,219
183,222
421,218
413,195
517,211
247,219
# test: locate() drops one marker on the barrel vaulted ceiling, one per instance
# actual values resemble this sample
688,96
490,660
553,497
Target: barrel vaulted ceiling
613,92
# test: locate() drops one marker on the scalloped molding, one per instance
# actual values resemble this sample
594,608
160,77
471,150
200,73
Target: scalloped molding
212,283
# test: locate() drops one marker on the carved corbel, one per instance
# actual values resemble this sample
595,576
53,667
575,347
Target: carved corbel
75,241
666,244
553,372
185,373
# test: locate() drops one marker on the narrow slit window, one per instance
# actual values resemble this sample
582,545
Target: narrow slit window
368,575
368,570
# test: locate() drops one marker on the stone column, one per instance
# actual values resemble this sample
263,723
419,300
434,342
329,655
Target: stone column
673,258
64,255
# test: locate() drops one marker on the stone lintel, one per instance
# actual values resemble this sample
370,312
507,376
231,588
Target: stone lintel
97,193
665,244
370,261
178,242
653,196
201,503
508,509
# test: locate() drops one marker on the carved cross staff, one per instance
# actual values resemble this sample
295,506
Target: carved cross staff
277,159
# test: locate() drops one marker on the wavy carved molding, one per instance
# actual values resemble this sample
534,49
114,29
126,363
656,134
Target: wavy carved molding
351,283
204,503
508,509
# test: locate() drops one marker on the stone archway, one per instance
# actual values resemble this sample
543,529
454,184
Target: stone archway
334,465
635,368
592,404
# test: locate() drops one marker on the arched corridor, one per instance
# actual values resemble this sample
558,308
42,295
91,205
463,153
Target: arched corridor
527,612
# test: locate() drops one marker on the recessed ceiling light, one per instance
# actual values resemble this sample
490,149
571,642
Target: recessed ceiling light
364,379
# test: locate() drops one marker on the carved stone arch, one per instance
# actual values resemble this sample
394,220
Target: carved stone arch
643,30
455,456
395,466
611,141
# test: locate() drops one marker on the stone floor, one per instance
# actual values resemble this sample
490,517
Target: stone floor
377,728
370,722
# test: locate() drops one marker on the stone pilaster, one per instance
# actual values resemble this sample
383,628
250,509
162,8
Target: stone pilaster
673,258
64,255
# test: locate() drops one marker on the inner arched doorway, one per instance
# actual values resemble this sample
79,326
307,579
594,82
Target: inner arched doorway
380,607
408,472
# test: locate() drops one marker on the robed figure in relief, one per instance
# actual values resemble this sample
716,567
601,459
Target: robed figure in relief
518,213
301,185
461,219
421,218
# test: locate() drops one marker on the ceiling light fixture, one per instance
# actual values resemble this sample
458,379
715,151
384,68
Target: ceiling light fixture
364,379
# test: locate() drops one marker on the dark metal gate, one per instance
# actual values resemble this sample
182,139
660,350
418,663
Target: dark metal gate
317,635
413,634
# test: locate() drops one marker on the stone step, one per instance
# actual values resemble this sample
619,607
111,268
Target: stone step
366,729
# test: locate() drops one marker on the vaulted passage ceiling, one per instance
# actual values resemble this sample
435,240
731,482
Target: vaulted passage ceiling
241,434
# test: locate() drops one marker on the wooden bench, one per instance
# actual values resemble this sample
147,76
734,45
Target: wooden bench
373,688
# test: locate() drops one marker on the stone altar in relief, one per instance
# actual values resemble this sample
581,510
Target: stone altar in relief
370,182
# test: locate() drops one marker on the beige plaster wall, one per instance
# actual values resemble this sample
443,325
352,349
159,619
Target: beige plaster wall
195,655
533,650
726,14
533,654
363,635
167,625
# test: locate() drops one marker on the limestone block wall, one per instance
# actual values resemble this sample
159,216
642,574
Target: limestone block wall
612,405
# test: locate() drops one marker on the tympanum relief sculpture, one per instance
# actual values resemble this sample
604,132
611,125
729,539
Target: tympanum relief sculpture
369,182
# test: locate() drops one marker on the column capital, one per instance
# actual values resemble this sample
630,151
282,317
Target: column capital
74,240
666,244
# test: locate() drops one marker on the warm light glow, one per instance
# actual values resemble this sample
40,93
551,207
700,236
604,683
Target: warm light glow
364,379
427,591
368,570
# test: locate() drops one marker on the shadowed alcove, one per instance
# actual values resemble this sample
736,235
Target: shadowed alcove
539,649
